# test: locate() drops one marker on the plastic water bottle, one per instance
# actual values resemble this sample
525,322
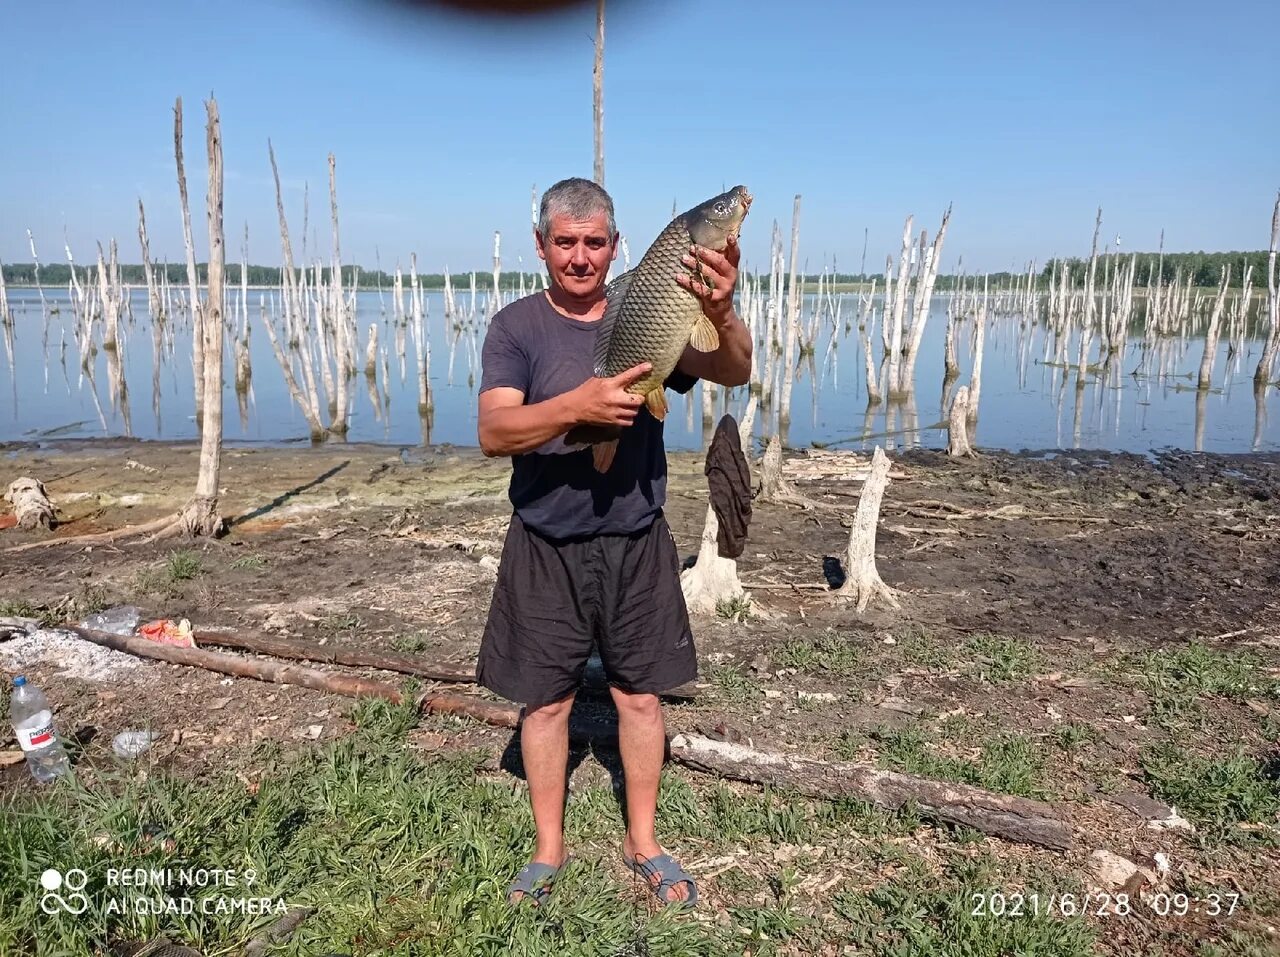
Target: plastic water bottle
33,724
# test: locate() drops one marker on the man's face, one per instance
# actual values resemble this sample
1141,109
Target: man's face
578,253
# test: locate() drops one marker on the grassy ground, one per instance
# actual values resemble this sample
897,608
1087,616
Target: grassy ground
401,851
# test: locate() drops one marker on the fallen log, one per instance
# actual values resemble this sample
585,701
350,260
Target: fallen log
350,686
1004,816
336,655
594,679
1012,818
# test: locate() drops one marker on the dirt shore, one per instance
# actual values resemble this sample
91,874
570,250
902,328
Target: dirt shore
1046,597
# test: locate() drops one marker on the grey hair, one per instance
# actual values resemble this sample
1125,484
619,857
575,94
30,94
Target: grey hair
578,199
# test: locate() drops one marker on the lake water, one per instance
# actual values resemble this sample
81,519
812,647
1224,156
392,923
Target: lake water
1025,404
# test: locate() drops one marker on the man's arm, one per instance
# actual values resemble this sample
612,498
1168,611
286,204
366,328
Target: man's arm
731,363
509,427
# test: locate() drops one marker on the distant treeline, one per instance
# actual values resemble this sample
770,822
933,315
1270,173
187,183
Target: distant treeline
59,274
1204,269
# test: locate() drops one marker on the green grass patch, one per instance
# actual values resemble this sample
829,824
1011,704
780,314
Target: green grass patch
735,609
249,563
1217,794
832,653
1074,735
1008,762
1002,660
410,644
1175,680
183,565
951,916
734,684
395,854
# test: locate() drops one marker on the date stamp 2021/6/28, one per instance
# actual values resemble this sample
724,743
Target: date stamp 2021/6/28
1101,904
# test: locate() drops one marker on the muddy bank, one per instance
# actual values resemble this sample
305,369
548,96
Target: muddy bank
1047,600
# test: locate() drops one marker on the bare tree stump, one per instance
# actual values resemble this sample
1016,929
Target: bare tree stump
714,579
30,503
864,582
957,431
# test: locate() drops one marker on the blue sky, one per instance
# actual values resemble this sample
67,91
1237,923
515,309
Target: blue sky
1025,116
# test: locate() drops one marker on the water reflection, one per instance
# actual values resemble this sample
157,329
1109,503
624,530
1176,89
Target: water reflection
1134,398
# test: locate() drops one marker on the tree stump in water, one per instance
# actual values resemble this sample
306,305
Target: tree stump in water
957,432
30,503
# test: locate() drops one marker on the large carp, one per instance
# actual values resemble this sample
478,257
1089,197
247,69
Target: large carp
649,317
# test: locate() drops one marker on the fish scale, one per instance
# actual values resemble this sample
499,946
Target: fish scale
657,314
651,318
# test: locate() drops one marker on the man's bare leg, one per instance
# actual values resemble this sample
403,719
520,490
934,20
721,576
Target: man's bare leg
642,742
544,747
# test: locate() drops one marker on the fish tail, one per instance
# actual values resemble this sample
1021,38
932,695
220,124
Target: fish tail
602,454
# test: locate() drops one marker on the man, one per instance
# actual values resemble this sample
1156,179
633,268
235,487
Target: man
588,556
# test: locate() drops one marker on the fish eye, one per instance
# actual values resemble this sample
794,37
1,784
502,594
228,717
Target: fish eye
721,209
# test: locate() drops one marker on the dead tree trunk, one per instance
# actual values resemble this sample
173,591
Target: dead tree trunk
975,377
793,321
597,94
153,291
30,503
1263,373
894,321
928,275
1011,818
201,516
341,330
1211,334
957,434
863,582
295,321
197,346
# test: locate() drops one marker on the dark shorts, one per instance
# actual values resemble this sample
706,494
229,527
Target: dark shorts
553,599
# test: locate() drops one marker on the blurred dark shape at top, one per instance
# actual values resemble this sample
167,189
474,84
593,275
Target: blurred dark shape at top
483,9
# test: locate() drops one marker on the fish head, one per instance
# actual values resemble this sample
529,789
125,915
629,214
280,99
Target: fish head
713,222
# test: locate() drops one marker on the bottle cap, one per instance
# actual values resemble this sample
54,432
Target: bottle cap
19,681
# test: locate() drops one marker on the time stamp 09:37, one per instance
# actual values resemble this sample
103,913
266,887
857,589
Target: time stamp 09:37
1165,904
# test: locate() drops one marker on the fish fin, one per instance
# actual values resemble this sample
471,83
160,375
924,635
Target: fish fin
656,400
704,337
614,294
602,455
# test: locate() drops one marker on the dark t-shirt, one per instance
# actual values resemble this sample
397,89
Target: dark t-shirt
556,489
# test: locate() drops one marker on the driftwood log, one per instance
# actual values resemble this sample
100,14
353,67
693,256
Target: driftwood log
594,680
348,685
30,503
1012,818
336,655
